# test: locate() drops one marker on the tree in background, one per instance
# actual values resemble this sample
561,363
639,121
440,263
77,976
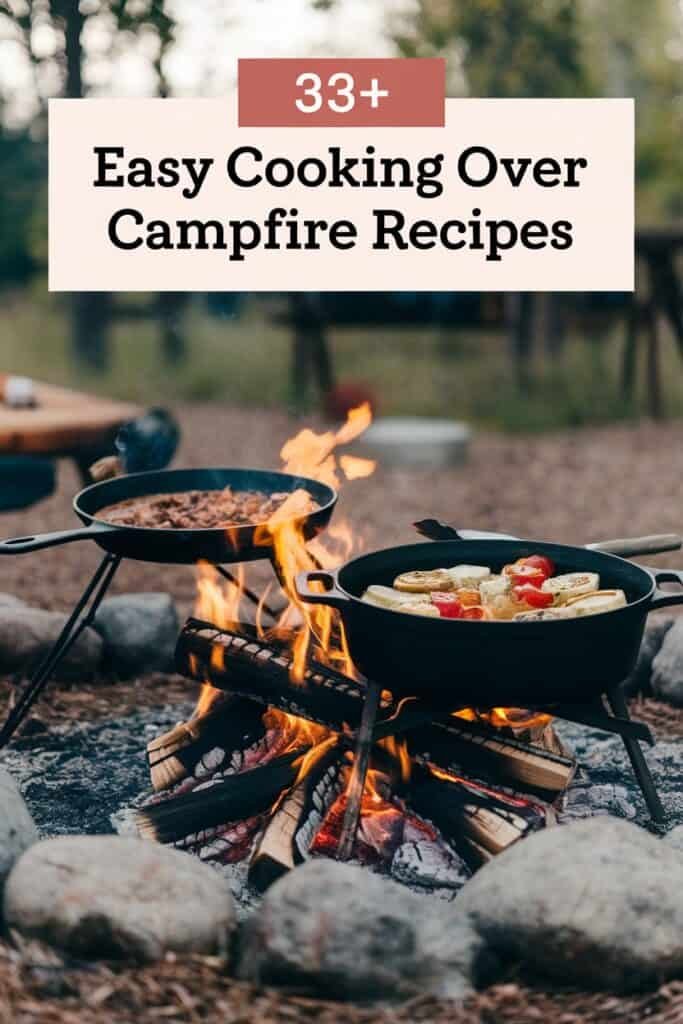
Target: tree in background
505,48
636,49
499,47
52,34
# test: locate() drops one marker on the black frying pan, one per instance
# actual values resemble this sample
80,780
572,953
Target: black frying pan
151,544
482,663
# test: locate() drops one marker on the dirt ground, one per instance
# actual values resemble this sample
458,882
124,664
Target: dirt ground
578,487
573,487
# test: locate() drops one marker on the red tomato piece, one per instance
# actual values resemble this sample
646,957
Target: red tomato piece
543,563
527,574
531,595
448,604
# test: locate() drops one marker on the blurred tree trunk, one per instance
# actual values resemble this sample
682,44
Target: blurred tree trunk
555,324
90,311
172,306
311,357
519,309
73,26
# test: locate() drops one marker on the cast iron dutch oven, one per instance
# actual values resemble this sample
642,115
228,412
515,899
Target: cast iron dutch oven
154,544
483,663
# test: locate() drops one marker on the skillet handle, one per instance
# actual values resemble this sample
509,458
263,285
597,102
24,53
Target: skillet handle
22,545
627,547
665,598
332,596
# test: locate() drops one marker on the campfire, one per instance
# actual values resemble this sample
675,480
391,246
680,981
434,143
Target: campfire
266,771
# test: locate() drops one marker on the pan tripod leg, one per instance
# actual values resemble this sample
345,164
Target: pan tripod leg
81,617
359,771
641,771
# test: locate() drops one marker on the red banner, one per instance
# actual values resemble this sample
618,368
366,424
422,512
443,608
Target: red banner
335,92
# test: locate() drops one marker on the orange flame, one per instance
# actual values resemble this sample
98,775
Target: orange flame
313,455
398,750
511,718
218,601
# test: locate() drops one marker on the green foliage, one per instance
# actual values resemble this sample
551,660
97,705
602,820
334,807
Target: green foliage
571,48
23,170
501,47
23,155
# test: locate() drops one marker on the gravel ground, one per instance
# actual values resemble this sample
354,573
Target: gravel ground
577,487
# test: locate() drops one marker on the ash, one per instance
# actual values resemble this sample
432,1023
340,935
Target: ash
91,778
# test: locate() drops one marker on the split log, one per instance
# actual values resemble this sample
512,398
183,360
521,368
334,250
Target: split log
478,750
292,828
261,671
233,798
464,810
231,724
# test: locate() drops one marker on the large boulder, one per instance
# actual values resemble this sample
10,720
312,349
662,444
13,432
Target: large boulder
640,680
667,667
17,828
674,838
340,931
139,632
26,634
597,903
114,897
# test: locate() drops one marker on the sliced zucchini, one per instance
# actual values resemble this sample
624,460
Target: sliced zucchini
387,597
571,584
597,602
468,575
424,581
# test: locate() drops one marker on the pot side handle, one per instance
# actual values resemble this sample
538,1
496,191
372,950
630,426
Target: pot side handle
666,598
628,547
331,596
23,545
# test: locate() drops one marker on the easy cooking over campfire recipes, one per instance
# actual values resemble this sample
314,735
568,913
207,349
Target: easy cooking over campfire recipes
527,590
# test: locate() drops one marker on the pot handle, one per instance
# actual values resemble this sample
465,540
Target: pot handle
628,547
22,545
332,596
665,598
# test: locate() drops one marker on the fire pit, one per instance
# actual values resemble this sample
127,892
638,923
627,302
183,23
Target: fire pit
334,765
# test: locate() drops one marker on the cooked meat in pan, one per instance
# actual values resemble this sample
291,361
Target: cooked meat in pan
194,510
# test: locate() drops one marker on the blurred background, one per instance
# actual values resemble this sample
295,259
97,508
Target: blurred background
516,363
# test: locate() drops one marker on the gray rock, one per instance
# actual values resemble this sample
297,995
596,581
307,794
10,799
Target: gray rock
340,930
17,828
674,838
640,679
596,903
117,897
26,634
667,667
139,632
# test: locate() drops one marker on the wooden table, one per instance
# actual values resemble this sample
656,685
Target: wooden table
64,423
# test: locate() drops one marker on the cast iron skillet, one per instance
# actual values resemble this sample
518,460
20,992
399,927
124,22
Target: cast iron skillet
151,544
484,664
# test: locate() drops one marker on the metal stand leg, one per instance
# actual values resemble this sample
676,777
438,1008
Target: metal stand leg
617,703
81,617
359,771
248,593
